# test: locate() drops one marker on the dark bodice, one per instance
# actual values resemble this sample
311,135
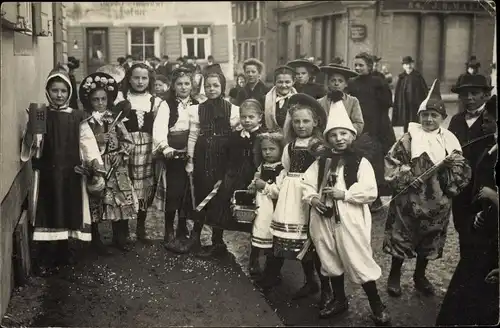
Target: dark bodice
269,174
300,158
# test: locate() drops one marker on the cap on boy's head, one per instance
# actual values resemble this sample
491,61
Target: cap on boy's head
251,103
210,57
255,62
407,60
129,57
339,120
284,70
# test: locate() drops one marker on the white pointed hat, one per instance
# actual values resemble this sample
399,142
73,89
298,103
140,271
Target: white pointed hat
433,100
338,118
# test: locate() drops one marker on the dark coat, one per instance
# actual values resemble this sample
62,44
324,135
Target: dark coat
469,299
463,213
73,102
411,90
312,89
259,92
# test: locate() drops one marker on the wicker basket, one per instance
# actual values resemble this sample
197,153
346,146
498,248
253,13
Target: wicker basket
244,208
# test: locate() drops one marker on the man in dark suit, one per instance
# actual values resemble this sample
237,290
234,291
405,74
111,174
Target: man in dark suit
473,92
165,68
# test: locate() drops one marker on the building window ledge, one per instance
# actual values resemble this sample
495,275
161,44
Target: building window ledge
17,27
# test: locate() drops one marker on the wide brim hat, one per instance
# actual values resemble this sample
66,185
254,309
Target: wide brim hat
95,81
407,60
311,102
116,71
338,69
471,81
311,67
473,62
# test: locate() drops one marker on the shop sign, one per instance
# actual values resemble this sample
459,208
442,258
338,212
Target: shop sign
358,32
464,6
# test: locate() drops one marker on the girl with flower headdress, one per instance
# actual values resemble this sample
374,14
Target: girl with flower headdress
147,123
210,126
62,209
173,192
118,203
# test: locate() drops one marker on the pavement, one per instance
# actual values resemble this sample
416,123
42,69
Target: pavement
152,287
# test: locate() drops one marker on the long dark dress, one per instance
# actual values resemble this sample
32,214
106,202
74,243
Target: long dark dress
312,89
411,90
469,299
240,169
258,92
378,135
60,206
209,160
463,214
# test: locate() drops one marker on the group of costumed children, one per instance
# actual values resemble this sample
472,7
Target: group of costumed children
291,152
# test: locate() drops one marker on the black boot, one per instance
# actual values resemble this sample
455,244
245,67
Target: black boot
394,280
380,315
218,247
422,284
339,303
253,265
120,235
169,236
96,242
272,272
311,286
182,230
193,244
141,228
326,288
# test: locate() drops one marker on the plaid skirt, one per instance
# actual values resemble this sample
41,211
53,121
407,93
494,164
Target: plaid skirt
141,169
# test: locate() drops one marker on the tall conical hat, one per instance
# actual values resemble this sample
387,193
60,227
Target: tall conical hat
433,100
339,120
116,71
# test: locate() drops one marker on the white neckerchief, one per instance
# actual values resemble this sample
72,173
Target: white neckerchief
435,143
246,134
474,119
271,165
281,99
302,142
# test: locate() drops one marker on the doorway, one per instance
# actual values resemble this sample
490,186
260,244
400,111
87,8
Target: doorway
97,49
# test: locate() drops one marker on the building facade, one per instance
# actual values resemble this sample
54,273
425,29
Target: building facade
101,32
440,34
33,39
256,30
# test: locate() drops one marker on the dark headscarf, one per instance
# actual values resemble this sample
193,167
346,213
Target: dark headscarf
218,104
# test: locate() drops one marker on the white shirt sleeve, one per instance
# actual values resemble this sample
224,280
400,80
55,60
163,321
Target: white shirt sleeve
89,150
160,128
285,159
364,191
310,183
194,129
234,120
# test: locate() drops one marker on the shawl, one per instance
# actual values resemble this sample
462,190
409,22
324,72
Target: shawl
270,108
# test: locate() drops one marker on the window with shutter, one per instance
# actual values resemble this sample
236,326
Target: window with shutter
196,41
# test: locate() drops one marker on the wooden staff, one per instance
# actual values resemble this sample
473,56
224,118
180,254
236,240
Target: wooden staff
209,197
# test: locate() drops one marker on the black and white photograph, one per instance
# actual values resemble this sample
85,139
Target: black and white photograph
249,164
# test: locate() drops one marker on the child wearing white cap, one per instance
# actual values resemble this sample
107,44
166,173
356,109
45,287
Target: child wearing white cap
340,222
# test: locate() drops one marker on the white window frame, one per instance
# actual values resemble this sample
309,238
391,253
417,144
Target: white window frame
207,37
156,44
25,12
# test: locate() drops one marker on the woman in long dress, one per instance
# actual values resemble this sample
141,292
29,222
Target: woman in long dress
378,135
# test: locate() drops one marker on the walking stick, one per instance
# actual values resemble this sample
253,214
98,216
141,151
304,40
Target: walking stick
191,188
209,197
